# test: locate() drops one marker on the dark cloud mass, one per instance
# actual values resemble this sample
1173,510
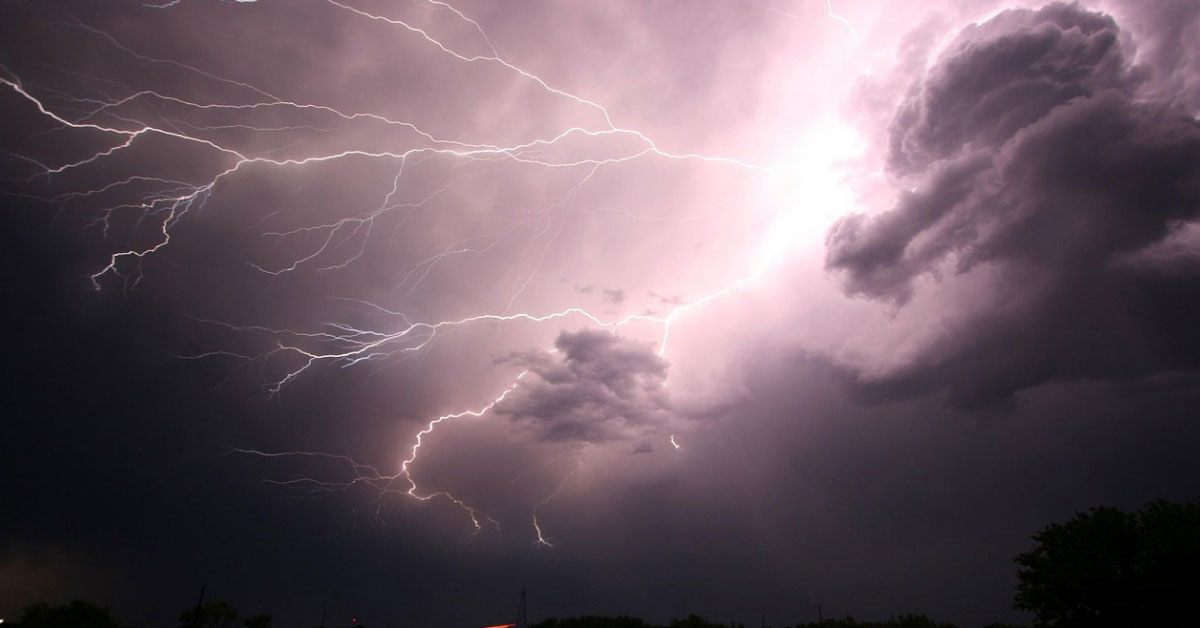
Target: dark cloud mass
596,387
1040,169
1001,76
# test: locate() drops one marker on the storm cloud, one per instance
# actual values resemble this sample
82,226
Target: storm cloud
384,309
596,387
1042,170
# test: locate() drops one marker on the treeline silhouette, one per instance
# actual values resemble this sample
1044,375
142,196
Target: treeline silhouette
83,614
696,621
1105,568
220,614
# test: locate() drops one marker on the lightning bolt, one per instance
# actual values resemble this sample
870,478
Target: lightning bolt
541,539
843,21
161,204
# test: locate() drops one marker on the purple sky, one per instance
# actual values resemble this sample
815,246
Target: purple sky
391,308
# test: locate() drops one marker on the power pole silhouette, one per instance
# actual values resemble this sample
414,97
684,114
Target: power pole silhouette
199,605
521,620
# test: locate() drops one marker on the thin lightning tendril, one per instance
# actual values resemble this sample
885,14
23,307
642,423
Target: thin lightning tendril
541,539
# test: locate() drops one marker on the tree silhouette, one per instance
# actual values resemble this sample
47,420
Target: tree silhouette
77,614
1109,567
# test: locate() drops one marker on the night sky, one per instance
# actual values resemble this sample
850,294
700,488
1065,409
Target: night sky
392,308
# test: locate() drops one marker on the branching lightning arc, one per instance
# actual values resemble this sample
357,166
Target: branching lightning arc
162,204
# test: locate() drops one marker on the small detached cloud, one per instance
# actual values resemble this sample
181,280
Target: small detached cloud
613,296
596,387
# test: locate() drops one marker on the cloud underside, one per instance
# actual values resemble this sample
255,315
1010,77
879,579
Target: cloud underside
1045,166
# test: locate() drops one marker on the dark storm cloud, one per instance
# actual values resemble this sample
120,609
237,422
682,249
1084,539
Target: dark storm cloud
597,387
1003,75
1040,166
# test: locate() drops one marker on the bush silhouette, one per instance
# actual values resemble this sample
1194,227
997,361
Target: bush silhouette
77,614
218,614
258,621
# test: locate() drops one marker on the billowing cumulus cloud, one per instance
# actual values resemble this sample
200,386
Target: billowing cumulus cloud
1002,75
1039,168
596,387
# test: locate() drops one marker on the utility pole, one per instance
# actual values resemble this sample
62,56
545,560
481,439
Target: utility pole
521,620
820,615
199,603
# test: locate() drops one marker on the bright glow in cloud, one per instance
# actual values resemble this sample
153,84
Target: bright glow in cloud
812,193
